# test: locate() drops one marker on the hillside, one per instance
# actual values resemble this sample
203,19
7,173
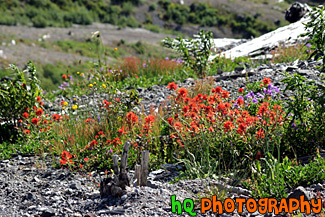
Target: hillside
236,18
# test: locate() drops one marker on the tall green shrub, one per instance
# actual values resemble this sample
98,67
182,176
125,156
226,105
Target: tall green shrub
16,96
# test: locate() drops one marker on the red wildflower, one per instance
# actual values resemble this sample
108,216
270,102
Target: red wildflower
35,121
241,129
228,126
39,112
56,117
217,90
260,134
149,119
27,131
225,94
93,143
38,98
121,131
133,118
64,77
25,115
172,86
240,101
240,90
107,103
266,81
89,120
66,157
186,109
86,159
170,120
182,92
81,166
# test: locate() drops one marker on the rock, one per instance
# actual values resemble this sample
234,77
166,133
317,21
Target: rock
296,12
261,46
152,184
319,187
291,68
299,191
46,211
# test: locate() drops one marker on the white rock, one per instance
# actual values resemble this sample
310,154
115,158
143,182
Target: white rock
288,34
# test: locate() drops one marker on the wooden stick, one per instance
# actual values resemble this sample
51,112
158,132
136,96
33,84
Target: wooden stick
115,164
137,174
144,168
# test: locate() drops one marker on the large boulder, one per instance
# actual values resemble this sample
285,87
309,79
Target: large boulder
296,12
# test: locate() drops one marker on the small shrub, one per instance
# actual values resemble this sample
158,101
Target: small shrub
315,31
195,52
39,21
16,97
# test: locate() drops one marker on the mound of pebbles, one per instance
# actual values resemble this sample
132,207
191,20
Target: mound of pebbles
32,187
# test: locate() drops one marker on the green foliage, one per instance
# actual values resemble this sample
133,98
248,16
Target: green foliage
16,96
307,112
315,31
274,179
195,52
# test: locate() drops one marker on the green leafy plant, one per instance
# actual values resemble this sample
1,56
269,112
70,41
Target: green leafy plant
195,52
315,31
306,113
18,94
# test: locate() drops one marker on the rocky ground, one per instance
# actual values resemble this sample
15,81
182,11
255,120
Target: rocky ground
31,187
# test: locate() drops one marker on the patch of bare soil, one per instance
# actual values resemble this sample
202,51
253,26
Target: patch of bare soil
20,53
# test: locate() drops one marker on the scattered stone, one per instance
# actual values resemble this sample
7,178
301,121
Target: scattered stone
296,12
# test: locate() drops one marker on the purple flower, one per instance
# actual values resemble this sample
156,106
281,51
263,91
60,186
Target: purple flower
308,45
276,89
250,95
44,92
260,95
144,65
102,68
290,114
254,100
110,150
166,58
267,92
98,118
294,125
240,97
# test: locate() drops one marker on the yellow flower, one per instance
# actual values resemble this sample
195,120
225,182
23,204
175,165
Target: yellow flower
63,108
81,74
115,49
95,83
78,73
107,82
103,85
74,99
90,85
74,107
65,103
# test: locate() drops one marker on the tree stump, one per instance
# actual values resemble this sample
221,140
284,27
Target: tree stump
141,171
116,184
